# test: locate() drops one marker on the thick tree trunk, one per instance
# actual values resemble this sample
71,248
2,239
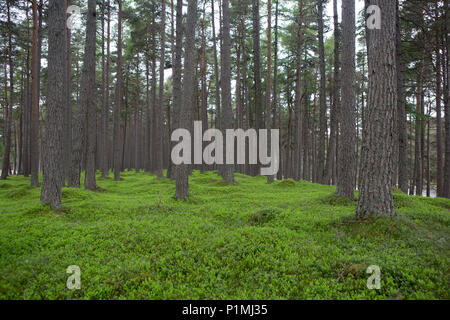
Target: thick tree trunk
347,157
375,192
53,147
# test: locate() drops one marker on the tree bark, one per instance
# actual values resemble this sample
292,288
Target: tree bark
105,107
347,157
257,74
298,149
56,98
91,99
336,105
322,97
401,105
182,174
375,194
118,105
227,114
7,150
159,109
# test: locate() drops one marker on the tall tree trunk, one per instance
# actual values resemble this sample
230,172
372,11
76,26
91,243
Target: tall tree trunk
276,124
159,109
336,105
347,157
7,150
204,111
118,105
182,174
439,164
446,72
26,125
375,192
53,147
322,97
227,114
428,154
105,107
401,105
68,112
257,73
216,66
177,88
91,99
271,178
298,157
418,146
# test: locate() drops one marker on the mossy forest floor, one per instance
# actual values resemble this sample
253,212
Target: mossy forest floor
250,240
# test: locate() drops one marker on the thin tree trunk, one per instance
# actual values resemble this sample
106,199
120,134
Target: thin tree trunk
105,107
336,105
257,73
159,109
227,114
91,99
118,106
271,178
182,174
402,120
322,97
7,150
347,157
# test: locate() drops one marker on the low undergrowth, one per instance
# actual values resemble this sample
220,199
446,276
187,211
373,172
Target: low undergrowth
246,240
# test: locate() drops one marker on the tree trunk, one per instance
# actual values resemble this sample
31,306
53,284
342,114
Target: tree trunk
105,107
227,114
204,111
347,157
402,121
276,124
336,105
257,74
182,174
375,194
118,106
7,150
56,98
298,156
322,97
271,178
159,109
91,99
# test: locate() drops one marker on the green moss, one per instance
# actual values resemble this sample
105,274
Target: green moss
252,240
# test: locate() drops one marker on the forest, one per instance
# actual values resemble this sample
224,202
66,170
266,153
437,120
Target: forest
118,156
